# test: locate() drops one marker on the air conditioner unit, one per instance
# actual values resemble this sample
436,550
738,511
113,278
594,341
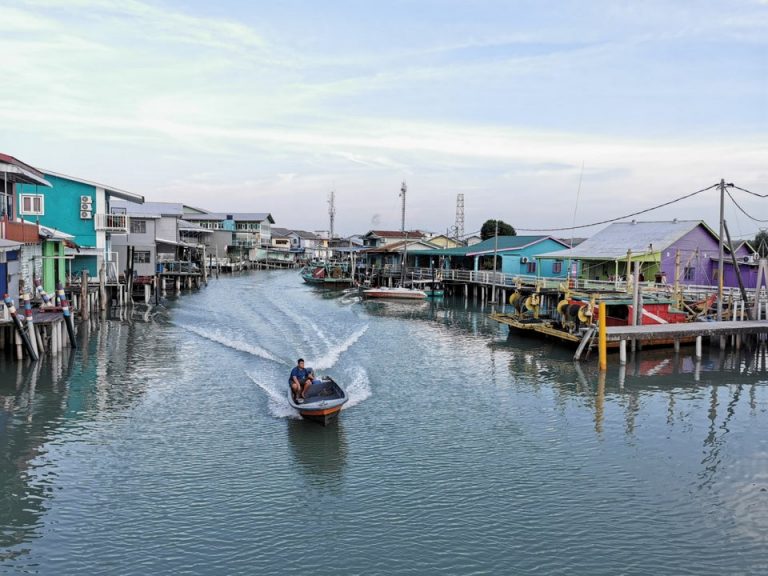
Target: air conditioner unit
747,259
86,215
84,206
86,200
524,260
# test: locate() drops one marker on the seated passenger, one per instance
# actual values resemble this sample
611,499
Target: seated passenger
300,380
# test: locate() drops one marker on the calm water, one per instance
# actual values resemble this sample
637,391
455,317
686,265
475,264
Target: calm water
164,445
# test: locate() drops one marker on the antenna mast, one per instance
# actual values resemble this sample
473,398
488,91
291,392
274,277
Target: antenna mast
459,216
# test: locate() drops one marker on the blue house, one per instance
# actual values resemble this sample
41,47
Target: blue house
515,255
80,208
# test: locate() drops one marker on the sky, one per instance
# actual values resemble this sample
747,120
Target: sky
544,114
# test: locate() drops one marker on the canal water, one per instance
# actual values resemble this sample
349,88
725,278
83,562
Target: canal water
165,445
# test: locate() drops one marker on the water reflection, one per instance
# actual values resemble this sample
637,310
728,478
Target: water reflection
52,401
320,452
32,403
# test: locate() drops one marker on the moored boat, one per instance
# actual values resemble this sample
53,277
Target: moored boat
327,274
395,293
323,401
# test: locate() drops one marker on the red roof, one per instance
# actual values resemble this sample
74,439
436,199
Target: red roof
16,162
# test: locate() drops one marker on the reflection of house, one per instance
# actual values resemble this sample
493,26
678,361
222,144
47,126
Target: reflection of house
513,255
80,208
656,246
16,238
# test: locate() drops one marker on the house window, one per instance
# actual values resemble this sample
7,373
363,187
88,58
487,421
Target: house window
141,257
32,204
531,267
557,267
138,226
689,273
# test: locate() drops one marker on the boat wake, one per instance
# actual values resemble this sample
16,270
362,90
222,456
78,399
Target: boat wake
332,356
217,336
358,388
278,398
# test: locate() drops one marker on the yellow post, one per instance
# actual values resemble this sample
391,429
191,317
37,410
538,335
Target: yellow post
601,340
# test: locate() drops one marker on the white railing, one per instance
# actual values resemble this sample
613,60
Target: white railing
111,222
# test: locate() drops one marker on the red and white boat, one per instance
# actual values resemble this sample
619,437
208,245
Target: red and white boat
395,293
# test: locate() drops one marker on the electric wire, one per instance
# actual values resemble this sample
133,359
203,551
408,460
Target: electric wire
621,217
742,209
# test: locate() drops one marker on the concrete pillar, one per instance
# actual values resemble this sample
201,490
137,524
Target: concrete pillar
622,353
698,347
677,345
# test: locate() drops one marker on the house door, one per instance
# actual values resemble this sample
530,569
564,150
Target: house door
3,279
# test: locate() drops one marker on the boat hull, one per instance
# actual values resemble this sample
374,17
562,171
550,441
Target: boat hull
395,293
323,403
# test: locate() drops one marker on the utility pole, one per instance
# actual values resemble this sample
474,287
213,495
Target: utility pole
332,214
403,190
495,250
720,254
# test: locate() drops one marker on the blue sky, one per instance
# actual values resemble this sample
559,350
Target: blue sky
267,106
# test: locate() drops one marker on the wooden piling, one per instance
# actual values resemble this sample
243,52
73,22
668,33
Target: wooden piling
602,339
84,303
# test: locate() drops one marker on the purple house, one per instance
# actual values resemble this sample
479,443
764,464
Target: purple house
657,246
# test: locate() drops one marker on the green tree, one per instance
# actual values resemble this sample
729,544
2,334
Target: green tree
489,229
760,243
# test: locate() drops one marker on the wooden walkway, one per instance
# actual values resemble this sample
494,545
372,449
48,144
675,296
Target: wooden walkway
649,333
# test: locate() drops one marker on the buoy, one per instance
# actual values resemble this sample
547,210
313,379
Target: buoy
561,306
514,297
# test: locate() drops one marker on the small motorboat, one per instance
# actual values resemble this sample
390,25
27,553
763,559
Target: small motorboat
323,401
397,293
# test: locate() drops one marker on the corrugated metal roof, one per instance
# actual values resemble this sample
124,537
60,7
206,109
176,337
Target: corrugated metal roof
412,234
8,245
192,227
149,209
612,242
504,244
236,216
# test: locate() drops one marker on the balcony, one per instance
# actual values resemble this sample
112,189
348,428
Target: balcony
23,232
242,243
115,223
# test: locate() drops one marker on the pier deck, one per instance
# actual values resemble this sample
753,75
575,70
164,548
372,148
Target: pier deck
678,331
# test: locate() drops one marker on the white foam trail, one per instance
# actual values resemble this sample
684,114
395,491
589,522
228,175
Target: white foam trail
217,336
278,399
302,322
359,389
332,356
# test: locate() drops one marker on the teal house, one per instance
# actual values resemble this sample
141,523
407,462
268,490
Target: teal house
81,209
515,255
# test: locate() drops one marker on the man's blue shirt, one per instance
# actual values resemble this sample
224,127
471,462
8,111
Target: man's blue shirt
301,374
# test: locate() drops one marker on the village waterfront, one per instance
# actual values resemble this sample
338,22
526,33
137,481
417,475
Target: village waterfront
164,444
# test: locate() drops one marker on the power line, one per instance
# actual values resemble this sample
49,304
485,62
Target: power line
750,192
620,217
742,209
